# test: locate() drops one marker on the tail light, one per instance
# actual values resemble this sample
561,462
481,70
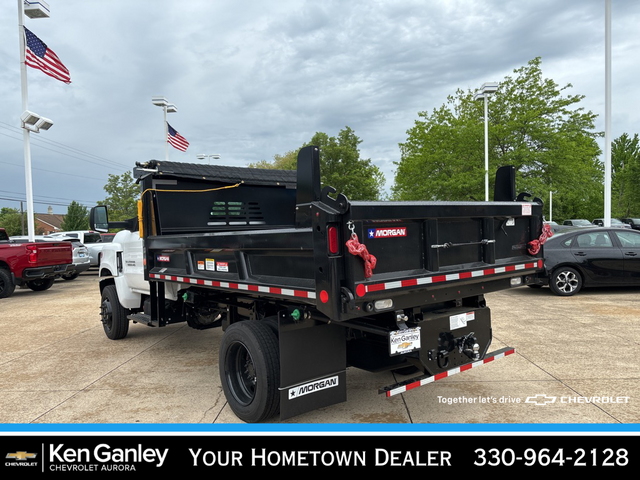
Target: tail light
332,237
32,253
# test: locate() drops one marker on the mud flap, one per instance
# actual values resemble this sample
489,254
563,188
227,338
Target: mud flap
312,366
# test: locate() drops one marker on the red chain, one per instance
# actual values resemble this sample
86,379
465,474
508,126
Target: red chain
534,245
358,249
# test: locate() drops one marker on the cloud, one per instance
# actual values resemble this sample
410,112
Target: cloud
258,78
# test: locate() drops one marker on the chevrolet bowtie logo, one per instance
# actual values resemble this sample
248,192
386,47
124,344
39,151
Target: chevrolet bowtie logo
540,399
21,455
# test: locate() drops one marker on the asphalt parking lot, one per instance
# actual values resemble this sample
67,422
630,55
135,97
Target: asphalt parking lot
576,362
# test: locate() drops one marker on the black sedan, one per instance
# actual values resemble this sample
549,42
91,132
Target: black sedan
588,257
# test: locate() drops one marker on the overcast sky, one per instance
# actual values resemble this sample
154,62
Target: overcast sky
252,79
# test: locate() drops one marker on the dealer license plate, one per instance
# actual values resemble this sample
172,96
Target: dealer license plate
404,341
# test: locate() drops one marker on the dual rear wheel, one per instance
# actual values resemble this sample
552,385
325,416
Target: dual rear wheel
249,363
250,370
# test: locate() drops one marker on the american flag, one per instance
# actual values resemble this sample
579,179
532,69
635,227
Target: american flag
38,55
177,140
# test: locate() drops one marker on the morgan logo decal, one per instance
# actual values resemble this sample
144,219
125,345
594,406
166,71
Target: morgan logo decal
312,387
387,232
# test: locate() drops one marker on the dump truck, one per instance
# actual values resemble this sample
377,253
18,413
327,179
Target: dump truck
305,283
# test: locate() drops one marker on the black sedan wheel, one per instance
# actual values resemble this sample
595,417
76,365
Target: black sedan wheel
565,281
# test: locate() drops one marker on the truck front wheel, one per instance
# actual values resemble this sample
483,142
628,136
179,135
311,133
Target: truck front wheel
250,370
113,315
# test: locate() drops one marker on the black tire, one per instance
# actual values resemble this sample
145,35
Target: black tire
565,281
113,315
250,370
41,284
7,286
71,276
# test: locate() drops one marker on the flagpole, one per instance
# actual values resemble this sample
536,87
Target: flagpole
25,132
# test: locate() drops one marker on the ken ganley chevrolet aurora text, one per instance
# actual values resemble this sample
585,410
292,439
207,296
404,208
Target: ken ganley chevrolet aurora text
98,457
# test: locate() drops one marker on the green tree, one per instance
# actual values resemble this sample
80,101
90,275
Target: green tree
340,165
443,156
288,161
122,198
12,221
77,217
625,176
534,125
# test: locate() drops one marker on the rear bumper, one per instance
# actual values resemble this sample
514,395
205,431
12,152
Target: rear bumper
44,272
79,267
405,386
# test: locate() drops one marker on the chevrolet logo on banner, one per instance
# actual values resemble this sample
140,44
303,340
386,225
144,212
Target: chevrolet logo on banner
21,456
540,399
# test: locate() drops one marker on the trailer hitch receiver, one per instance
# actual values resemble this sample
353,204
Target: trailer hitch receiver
469,346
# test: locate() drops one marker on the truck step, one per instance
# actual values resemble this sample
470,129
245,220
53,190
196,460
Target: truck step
143,318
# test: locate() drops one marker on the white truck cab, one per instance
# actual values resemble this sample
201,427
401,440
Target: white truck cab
123,265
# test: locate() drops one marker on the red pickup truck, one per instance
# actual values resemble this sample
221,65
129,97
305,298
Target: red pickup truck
35,265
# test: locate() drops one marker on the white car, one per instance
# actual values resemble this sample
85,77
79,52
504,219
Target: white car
91,239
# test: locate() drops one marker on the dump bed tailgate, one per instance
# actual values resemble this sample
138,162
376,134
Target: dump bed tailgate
414,253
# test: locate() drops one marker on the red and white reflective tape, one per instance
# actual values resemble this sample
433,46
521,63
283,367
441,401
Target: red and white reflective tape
288,292
362,289
448,373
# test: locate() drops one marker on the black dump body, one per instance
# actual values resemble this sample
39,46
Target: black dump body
256,244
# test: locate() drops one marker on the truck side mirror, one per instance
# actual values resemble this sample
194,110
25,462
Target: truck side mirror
99,218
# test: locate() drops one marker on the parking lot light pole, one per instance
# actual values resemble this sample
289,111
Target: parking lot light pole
607,117
202,156
166,108
30,121
483,94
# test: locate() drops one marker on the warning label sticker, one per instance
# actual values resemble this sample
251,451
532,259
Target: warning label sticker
223,267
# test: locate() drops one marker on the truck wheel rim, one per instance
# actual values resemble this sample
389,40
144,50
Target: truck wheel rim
105,313
241,374
567,282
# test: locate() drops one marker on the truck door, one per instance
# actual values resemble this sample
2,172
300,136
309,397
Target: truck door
133,262
599,258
